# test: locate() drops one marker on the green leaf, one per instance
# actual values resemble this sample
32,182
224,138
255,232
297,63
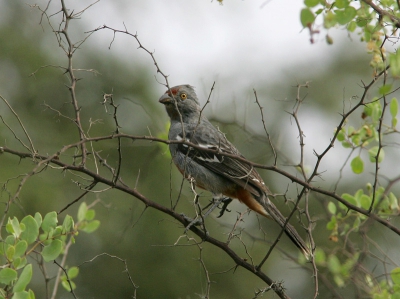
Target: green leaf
361,22
346,15
68,223
82,211
347,144
394,122
385,89
329,20
338,280
13,226
352,26
395,274
341,3
16,262
10,252
332,208
376,111
7,275
395,63
373,152
306,17
357,165
311,3
90,214
365,201
21,295
358,195
331,225
38,218
22,263
394,107
320,257
66,286
341,135
10,240
91,226
394,203
49,222
73,272
334,264
20,248
52,251
24,279
350,199
31,232
367,110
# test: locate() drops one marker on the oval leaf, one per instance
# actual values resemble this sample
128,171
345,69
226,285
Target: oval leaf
306,17
7,275
350,199
68,223
346,15
394,107
31,232
20,248
49,222
24,279
334,264
341,3
91,226
332,208
373,152
82,211
38,218
21,295
357,165
73,272
311,3
385,89
13,226
394,59
52,251
365,201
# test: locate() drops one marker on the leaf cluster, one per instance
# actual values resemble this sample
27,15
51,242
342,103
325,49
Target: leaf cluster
43,238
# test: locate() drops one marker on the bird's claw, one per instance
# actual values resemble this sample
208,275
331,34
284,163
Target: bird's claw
225,202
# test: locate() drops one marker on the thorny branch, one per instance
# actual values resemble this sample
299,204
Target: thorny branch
43,162
153,204
69,51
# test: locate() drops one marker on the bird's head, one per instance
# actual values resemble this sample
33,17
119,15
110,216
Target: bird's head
181,98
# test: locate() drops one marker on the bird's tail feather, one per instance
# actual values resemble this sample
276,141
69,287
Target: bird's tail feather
290,231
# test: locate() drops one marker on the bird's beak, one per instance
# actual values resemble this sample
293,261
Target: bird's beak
165,99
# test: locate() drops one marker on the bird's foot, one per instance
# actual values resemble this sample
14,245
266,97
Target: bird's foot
225,202
215,203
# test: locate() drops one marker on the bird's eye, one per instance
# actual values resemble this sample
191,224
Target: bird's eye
183,96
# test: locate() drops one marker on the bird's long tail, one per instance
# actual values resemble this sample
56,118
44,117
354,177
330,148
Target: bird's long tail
290,231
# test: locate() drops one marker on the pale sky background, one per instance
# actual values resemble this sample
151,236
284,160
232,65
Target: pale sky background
200,41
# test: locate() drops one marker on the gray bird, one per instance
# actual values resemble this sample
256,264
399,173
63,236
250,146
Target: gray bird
219,174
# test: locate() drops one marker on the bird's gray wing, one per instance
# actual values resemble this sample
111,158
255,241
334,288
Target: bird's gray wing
206,136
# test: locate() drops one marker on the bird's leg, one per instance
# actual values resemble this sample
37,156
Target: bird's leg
214,204
216,201
226,201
